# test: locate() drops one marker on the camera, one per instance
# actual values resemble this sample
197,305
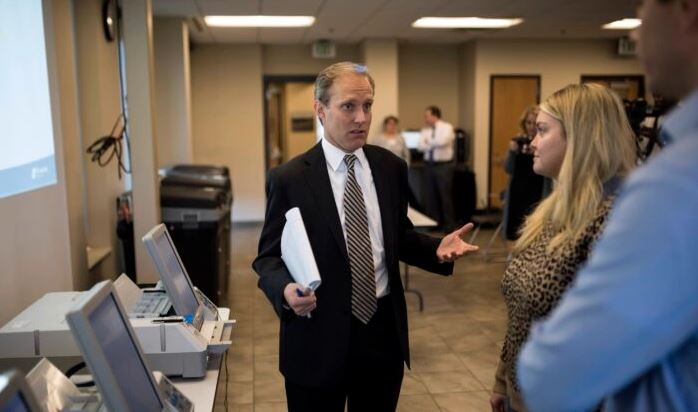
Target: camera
522,141
523,144
644,121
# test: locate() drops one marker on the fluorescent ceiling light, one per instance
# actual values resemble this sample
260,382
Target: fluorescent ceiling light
259,21
623,24
464,23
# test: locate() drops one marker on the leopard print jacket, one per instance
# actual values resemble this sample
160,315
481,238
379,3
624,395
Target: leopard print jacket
532,285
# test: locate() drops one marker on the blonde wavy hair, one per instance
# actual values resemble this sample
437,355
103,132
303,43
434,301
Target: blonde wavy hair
530,110
600,146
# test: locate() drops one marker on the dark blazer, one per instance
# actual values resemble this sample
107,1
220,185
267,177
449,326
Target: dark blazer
313,351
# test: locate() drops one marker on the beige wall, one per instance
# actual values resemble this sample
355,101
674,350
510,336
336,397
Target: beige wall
428,74
172,91
41,243
228,120
298,102
466,96
228,84
558,62
137,26
381,57
297,59
99,103
71,144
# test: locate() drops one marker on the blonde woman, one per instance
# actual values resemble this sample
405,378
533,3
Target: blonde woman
525,188
584,143
391,139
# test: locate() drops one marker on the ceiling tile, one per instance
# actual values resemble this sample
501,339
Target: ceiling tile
228,7
354,21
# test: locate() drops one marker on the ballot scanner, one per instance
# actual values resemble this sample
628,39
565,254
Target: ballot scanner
173,345
121,375
176,345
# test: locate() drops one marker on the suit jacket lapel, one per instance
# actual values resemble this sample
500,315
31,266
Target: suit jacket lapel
321,188
385,203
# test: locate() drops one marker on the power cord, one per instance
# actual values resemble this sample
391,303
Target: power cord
110,147
74,369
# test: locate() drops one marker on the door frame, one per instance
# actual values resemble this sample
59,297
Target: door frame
266,81
493,77
640,78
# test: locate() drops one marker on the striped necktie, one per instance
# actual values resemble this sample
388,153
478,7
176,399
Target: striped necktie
363,281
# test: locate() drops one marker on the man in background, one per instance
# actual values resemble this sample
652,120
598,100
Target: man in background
627,331
436,142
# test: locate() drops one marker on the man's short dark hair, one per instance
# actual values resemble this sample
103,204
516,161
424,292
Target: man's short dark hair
435,111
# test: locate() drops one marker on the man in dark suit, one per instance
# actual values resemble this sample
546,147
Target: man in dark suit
353,200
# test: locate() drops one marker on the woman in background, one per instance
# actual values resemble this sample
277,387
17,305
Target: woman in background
584,143
391,139
525,188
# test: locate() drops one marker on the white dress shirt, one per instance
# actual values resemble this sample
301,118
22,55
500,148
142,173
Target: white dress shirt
337,171
438,141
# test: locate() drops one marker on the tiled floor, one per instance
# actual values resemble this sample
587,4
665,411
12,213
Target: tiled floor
455,341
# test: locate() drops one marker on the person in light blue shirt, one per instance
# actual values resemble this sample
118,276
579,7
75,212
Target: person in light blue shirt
626,333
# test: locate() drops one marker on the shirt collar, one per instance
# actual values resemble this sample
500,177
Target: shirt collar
612,185
335,156
682,121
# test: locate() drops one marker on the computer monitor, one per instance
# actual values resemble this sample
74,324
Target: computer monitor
15,394
172,272
110,348
411,138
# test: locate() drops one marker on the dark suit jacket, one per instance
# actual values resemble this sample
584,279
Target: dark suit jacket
313,352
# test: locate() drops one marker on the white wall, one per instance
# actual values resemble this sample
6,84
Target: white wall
428,75
41,243
100,106
172,91
558,62
228,120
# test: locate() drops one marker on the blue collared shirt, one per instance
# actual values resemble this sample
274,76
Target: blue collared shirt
627,330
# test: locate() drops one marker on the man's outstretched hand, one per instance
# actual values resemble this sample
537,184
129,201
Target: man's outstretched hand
453,247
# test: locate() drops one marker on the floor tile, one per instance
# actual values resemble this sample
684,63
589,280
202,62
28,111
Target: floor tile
449,382
454,342
463,402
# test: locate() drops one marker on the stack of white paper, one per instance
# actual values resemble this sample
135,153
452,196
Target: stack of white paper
297,253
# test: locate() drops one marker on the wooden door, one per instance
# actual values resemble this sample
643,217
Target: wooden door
299,119
274,124
509,97
628,87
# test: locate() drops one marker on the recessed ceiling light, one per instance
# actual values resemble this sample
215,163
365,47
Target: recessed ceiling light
259,21
464,23
623,24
